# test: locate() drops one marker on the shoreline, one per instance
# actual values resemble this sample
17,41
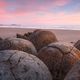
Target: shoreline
40,28
62,35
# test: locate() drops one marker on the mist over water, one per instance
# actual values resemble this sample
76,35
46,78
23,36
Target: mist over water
64,27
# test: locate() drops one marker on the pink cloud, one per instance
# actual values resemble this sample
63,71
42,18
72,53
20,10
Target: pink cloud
46,19
32,5
37,13
2,4
61,2
53,19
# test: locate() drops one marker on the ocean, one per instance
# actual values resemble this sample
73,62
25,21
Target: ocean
62,27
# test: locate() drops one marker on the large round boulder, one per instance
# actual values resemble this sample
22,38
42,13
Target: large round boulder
18,44
41,38
74,73
18,65
59,58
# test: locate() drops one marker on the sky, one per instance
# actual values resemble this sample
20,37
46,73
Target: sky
40,12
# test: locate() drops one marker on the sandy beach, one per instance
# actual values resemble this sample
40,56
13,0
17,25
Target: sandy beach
62,35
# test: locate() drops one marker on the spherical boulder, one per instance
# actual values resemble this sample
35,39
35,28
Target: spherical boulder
18,44
59,58
18,65
74,73
41,38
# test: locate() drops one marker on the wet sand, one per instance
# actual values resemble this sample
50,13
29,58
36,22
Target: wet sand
62,35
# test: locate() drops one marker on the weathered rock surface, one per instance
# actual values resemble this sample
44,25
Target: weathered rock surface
74,73
18,65
77,44
59,58
41,38
18,44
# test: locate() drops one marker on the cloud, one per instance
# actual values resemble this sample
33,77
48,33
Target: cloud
30,5
37,12
44,19
2,4
61,2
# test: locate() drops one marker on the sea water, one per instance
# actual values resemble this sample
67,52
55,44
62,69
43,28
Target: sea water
65,27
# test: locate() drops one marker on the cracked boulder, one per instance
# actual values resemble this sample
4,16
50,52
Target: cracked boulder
18,44
41,38
77,44
18,65
74,73
59,58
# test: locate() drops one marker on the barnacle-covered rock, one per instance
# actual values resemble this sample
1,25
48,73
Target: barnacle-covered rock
18,44
20,36
24,36
59,58
18,65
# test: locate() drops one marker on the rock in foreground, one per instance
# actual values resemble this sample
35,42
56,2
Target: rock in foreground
74,73
59,58
18,65
41,38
